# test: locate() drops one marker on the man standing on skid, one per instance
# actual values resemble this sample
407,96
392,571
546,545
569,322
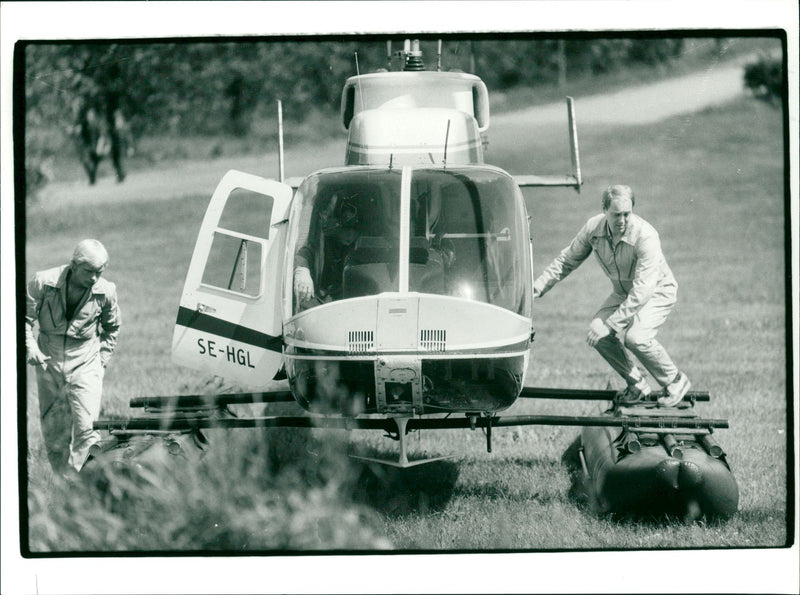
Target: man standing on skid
628,250
79,321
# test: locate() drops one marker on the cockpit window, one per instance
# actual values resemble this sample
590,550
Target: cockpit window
467,237
345,236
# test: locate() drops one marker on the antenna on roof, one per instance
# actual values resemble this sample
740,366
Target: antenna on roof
280,141
360,89
446,137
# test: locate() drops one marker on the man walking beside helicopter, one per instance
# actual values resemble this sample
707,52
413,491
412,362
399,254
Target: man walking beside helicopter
628,250
79,320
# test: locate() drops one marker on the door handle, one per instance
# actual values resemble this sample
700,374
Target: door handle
202,308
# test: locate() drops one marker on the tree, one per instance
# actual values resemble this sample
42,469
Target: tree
764,78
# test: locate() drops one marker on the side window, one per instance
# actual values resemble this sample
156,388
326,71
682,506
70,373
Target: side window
237,249
247,212
234,263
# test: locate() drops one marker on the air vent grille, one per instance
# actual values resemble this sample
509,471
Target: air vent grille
360,341
433,339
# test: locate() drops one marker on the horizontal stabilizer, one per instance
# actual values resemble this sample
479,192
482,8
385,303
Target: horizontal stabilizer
573,181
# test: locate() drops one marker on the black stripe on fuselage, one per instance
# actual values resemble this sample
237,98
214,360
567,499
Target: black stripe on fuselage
209,324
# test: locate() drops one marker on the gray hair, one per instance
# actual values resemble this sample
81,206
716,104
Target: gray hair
617,191
91,252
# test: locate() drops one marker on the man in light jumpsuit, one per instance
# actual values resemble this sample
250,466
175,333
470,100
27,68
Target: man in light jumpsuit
628,250
79,321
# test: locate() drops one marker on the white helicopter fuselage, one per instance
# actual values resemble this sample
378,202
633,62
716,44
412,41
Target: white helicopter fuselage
422,300
400,283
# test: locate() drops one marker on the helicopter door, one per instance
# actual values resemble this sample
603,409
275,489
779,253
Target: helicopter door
229,320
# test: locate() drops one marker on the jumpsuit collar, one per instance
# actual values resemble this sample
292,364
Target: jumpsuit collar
61,282
61,285
631,235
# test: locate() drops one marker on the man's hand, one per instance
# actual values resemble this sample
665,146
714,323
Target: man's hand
597,330
303,285
37,358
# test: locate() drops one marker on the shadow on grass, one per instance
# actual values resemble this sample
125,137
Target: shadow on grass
322,456
401,491
293,457
493,492
580,491
501,484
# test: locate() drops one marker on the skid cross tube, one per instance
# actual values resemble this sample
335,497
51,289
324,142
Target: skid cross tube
567,420
578,394
178,422
196,401
704,431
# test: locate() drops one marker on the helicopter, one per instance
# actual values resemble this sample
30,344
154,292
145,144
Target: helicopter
393,292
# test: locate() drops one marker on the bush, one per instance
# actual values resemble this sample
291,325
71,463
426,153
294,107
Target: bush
166,495
765,78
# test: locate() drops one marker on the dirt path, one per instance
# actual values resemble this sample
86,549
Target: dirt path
645,104
627,107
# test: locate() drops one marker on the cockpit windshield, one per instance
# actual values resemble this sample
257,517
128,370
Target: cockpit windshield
464,233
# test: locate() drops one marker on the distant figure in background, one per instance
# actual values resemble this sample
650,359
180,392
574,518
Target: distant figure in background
644,293
102,130
79,320
236,93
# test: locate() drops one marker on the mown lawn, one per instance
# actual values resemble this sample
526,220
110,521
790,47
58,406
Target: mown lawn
711,183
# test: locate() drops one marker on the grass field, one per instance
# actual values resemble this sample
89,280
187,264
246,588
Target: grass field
711,183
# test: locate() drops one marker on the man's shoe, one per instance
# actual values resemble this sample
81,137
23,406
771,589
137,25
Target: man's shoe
634,392
674,392
94,450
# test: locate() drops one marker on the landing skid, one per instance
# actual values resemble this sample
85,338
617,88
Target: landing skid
194,412
402,461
